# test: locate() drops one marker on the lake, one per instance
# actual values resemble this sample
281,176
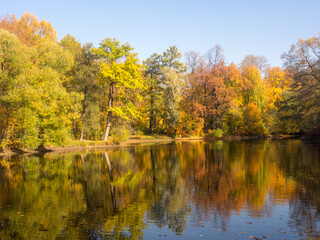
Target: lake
183,190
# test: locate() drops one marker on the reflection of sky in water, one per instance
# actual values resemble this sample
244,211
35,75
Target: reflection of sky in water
272,225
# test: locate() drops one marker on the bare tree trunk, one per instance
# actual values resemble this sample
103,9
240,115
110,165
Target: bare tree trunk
110,104
81,134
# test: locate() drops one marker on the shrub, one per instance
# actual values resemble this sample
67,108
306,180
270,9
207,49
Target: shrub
120,135
30,138
139,134
216,132
57,137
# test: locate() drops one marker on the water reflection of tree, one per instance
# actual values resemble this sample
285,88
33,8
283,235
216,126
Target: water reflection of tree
34,196
169,201
109,195
302,162
228,177
77,196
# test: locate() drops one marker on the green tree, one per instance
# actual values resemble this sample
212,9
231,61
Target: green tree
172,58
153,72
172,94
35,98
14,59
83,80
257,93
303,63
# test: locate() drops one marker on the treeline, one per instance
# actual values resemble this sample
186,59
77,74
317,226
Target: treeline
52,92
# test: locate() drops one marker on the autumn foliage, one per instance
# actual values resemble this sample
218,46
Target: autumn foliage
53,92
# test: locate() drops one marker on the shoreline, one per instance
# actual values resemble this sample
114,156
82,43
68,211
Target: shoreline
91,145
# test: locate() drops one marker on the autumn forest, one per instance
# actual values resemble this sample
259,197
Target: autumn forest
54,91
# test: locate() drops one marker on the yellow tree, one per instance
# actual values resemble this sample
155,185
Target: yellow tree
276,81
256,93
253,124
119,68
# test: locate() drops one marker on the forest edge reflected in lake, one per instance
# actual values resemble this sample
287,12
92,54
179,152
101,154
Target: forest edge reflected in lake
227,190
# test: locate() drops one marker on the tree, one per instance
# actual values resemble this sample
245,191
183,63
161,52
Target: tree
210,89
193,59
28,28
33,93
119,68
277,83
45,96
199,84
256,94
83,80
252,124
171,58
192,122
153,72
260,62
13,61
172,94
215,55
277,80
303,63
236,80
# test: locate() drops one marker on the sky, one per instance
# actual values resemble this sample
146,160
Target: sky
242,27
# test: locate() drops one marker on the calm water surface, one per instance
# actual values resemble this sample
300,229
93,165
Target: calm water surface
194,190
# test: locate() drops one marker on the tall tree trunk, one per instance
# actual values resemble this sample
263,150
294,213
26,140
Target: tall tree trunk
163,119
4,123
110,104
151,122
205,107
192,111
74,128
81,134
84,107
211,119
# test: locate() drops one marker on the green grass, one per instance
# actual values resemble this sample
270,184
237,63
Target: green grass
148,137
97,143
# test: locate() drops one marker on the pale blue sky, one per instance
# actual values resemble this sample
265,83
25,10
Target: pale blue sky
241,27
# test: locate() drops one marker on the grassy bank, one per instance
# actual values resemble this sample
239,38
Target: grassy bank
77,145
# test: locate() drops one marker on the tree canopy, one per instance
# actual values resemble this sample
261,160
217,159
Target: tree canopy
52,92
